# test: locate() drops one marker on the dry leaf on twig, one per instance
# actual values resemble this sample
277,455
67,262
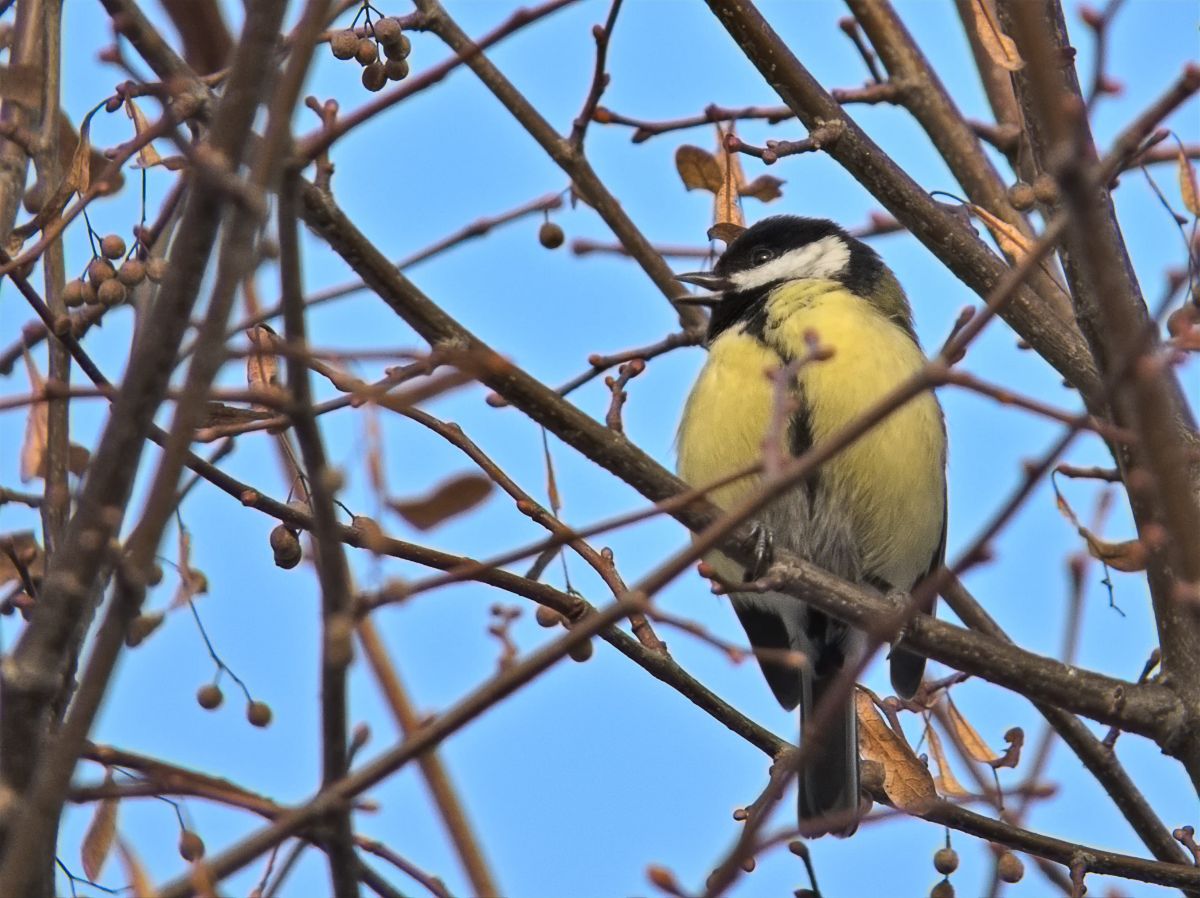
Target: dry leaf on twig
98,840
999,46
945,781
449,498
906,781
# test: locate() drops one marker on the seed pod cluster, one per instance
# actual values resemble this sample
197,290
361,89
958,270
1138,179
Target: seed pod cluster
383,57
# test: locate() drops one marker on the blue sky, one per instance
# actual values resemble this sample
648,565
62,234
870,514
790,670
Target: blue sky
595,771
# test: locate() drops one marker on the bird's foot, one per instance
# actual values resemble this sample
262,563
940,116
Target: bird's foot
764,552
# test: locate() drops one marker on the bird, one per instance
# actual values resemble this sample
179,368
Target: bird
873,514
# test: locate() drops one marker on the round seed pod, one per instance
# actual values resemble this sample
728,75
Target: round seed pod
132,272
945,861
396,69
209,696
99,271
259,714
1009,867
112,246
398,49
550,235
286,548
73,293
387,31
366,52
111,292
374,77
344,44
191,846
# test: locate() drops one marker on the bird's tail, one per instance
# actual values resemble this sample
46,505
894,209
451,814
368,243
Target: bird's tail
829,775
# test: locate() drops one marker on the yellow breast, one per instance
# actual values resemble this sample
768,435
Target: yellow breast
890,482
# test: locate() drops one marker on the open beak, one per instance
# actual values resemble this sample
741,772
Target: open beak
709,281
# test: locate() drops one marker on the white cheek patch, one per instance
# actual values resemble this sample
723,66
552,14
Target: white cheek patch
824,258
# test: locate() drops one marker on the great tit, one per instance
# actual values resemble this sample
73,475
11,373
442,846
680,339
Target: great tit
873,514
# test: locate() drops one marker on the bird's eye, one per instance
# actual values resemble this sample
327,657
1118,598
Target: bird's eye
761,256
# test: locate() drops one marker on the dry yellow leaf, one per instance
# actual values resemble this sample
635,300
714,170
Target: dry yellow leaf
1010,240
98,840
906,782
1187,184
37,425
727,206
998,45
139,884
147,155
967,735
947,783
1129,555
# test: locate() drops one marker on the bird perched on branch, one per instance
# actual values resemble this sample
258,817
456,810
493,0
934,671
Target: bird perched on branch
874,514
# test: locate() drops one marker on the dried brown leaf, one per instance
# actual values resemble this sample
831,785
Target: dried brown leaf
98,840
449,498
725,231
24,545
1010,240
727,207
698,168
79,176
999,46
1015,738
376,472
764,188
552,494
37,425
1187,184
147,155
139,882
906,782
262,364
947,783
970,739
1129,555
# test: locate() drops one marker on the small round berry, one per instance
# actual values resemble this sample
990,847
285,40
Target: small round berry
387,30
191,846
547,617
112,246
945,861
366,52
374,76
90,298
582,651
942,890
132,272
397,49
209,696
396,69
73,293
1009,867
1045,188
344,44
99,271
286,547
111,292
259,714
1021,196
550,235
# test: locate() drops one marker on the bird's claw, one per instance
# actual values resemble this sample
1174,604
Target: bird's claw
764,553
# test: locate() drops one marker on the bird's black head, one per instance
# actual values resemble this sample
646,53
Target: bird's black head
777,250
